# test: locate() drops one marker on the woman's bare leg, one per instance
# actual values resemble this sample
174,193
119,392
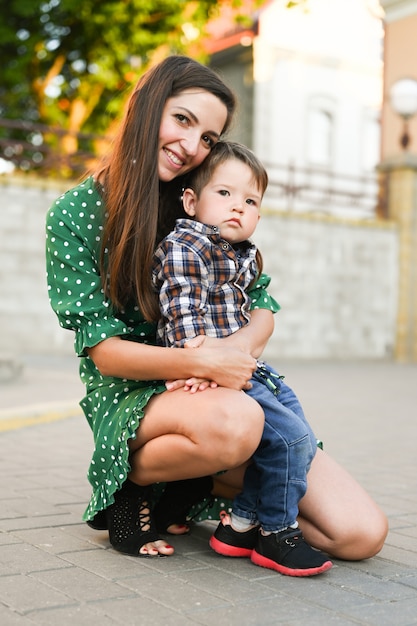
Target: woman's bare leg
336,514
229,484
187,435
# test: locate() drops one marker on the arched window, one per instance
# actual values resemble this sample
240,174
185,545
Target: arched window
371,138
320,129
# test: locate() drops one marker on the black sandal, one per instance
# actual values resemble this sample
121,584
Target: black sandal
99,521
129,520
177,499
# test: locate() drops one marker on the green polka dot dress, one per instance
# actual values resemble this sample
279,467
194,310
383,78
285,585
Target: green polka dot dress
113,407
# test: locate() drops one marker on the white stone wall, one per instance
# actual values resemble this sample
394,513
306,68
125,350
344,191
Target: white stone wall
335,280
27,323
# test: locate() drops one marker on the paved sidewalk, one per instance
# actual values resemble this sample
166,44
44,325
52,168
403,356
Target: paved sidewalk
54,570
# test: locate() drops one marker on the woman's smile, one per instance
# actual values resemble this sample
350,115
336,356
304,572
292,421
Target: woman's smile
173,157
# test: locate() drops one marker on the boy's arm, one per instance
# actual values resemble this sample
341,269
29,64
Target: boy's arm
254,337
183,280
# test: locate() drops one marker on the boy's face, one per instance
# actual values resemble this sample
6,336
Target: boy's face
231,200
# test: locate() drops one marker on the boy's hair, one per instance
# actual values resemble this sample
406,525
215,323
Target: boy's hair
221,152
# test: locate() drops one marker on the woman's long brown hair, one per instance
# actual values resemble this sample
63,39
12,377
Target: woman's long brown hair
131,184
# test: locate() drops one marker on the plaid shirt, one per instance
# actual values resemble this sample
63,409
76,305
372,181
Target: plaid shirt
202,281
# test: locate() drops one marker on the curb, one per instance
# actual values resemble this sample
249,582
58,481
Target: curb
16,419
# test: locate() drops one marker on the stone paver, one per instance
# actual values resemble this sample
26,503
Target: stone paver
55,570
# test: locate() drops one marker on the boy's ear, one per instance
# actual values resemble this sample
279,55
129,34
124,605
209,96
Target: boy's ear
189,200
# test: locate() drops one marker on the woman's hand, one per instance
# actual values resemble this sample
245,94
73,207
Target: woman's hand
192,384
232,367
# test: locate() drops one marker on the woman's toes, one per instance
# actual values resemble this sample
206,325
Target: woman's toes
178,529
164,548
157,547
149,549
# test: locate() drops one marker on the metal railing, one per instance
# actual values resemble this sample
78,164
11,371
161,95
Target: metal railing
30,147
315,189
27,147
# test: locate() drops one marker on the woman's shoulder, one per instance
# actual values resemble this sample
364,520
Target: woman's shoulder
85,191
77,203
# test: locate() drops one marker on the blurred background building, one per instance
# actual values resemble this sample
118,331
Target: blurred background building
309,81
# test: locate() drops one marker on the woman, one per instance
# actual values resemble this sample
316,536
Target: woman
100,240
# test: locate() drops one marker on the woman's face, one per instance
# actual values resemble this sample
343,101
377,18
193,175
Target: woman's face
191,124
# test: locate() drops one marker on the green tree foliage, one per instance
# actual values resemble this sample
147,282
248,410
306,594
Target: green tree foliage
70,62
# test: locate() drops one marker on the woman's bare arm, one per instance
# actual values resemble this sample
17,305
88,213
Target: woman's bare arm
229,367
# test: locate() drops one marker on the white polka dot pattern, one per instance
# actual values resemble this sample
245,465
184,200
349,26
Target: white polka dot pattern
113,407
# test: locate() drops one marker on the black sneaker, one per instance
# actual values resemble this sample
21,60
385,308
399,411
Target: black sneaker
287,552
230,542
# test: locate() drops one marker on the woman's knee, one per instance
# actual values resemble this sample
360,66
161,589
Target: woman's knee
339,515
375,538
370,539
238,430
220,426
361,541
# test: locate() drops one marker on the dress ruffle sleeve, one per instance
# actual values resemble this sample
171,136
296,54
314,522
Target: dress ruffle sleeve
260,297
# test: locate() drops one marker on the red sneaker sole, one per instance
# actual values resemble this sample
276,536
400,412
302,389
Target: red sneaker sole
227,550
262,561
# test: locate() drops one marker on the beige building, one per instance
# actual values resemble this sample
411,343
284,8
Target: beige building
400,61
399,162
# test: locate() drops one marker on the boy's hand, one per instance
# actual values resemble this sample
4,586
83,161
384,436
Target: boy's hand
191,384
198,384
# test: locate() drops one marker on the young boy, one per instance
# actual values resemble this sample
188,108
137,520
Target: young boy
202,271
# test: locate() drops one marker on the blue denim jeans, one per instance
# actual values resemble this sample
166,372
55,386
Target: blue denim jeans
277,479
